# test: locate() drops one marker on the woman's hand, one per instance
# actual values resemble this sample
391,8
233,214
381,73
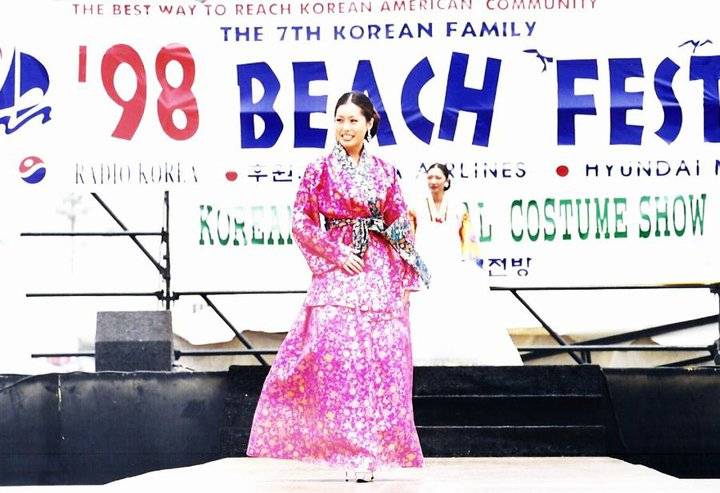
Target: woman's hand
353,264
406,297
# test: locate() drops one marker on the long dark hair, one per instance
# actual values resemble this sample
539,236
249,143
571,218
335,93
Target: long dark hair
367,109
444,170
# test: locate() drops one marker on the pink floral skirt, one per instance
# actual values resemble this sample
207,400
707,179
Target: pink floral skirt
340,392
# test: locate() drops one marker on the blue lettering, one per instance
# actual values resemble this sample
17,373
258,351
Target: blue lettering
569,103
305,104
263,108
460,98
707,69
672,121
365,82
420,126
622,101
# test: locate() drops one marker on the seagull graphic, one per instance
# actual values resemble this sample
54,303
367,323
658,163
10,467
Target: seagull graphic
695,44
544,59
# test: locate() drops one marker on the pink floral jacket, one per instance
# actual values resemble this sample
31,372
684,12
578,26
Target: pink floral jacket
364,212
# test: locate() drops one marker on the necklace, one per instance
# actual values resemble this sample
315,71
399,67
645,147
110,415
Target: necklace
438,215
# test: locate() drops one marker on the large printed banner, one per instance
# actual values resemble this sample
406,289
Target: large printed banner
583,135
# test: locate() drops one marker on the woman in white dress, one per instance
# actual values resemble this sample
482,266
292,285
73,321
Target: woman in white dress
453,322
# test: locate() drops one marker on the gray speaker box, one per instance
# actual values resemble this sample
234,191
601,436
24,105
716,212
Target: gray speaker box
134,340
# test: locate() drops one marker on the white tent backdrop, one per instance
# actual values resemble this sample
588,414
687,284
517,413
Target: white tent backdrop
142,101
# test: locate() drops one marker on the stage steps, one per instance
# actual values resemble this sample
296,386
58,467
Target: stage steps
512,411
478,411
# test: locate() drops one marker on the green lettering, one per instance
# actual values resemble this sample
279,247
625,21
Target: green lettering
661,215
518,204
258,237
644,233
223,241
681,200
204,224
549,220
274,227
601,219
583,234
534,205
697,213
619,212
566,211
239,227
483,237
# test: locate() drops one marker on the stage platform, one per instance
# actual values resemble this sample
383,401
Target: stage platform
446,475
507,424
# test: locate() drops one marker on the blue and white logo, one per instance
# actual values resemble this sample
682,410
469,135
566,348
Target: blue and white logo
21,93
32,170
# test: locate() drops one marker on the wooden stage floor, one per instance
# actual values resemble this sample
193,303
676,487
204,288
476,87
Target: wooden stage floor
446,475
441,475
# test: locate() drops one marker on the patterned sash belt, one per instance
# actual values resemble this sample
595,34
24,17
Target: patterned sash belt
361,228
396,234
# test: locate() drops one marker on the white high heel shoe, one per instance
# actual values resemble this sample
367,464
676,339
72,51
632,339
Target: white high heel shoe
360,476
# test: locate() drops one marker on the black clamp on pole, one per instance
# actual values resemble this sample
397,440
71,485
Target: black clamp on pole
715,350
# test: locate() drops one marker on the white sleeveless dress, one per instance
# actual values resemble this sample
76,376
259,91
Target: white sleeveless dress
453,322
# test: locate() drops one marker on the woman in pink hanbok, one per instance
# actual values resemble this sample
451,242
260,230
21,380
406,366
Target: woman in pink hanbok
340,390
